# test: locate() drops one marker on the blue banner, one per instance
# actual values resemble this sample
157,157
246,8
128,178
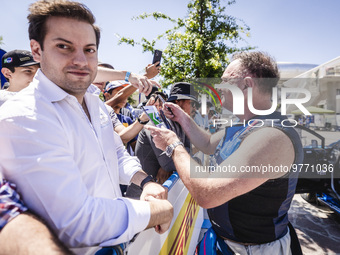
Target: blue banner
3,80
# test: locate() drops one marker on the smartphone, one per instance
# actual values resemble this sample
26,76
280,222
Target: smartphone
157,57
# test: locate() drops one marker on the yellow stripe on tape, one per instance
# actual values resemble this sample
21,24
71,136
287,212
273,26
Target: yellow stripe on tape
179,237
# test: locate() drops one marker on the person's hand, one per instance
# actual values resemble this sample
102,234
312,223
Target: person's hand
161,214
151,101
162,137
155,101
155,190
152,70
142,83
175,113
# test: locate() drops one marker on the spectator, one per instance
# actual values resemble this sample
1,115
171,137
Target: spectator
19,68
208,114
196,115
57,143
152,159
247,209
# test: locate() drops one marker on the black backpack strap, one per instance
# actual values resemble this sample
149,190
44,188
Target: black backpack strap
295,246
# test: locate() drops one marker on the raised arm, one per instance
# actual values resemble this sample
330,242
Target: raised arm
138,81
122,95
212,189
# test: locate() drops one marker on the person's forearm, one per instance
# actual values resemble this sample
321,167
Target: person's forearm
121,96
138,177
197,136
183,164
106,74
25,234
128,133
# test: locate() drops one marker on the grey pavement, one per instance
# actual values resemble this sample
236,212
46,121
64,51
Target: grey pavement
317,227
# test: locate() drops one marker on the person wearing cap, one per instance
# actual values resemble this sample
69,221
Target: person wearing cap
111,90
19,68
152,159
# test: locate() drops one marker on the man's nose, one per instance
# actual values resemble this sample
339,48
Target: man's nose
79,58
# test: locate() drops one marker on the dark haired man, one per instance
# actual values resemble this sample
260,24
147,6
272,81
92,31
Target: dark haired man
19,68
247,209
58,144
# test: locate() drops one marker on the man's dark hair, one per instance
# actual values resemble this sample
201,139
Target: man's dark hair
106,65
41,10
261,66
162,94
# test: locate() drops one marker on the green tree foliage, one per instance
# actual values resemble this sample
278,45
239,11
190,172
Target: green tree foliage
200,44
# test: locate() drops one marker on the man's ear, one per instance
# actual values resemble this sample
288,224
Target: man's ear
36,50
249,82
6,72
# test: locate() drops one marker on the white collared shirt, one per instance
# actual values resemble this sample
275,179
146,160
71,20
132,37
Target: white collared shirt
67,168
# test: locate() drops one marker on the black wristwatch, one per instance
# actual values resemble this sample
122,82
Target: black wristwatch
142,122
147,179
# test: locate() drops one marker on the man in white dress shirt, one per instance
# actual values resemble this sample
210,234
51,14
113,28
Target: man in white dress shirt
57,141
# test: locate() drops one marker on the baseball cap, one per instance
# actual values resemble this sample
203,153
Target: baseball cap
18,58
115,84
182,90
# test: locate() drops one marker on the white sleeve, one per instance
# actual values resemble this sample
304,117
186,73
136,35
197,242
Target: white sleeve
128,165
33,156
114,119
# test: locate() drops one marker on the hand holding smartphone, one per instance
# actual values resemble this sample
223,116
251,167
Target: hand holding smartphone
163,102
157,57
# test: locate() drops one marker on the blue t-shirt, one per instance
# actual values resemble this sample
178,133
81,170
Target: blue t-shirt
127,121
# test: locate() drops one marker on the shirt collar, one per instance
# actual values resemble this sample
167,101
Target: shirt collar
48,88
93,89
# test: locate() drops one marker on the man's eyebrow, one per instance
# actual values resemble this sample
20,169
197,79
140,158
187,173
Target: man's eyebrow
62,39
69,42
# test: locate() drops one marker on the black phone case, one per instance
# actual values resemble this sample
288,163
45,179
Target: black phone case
157,57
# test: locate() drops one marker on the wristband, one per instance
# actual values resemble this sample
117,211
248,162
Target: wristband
127,76
142,122
147,179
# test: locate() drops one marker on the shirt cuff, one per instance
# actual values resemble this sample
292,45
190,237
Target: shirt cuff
139,214
131,167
